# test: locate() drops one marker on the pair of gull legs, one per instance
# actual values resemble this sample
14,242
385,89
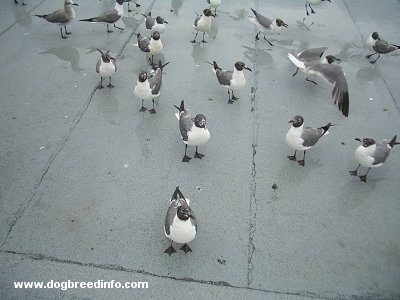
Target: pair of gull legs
143,109
171,249
101,84
196,155
362,177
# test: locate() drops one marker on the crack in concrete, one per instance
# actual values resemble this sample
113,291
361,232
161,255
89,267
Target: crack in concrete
112,267
78,117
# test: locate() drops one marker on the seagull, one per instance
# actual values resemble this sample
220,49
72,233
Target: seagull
214,4
110,16
331,73
203,23
151,45
303,138
193,131
231,80
264,24
313,2
379,46
180,222
155,24
372,155
106,67
311,55
61,17
149,87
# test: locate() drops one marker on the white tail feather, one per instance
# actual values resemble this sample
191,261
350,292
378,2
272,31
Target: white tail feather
296,62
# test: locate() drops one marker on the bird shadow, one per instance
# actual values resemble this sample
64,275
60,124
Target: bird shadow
68,54
261,56
176,6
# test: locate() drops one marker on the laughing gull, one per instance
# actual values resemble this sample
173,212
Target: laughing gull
379,46
231,80
264,24
61,17
106,67
371,154
313,2
303,138
110,16
214,4
152,45
148,87
203,23
155,24
193,131
180,222
331,73
310,55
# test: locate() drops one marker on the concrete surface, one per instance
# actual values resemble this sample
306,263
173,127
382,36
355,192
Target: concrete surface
86,178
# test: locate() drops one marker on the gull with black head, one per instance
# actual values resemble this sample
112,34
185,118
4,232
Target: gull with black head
265,25
106,66
303,138
371,154
193,131
379,46
203,23
331,73
155,24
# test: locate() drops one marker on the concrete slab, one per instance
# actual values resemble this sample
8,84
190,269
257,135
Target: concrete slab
86,177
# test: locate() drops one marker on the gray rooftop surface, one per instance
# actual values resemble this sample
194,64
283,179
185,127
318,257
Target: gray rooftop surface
86,178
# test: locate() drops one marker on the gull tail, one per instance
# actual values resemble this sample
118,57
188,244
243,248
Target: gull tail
161,66
89,20
397,46
326,128
393,142
181,109
296,62
41,16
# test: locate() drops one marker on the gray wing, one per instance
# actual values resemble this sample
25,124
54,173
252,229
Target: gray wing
383,47
185,125
264,21
224,77
143,44
312,54
114,62
98,65
155,82
311,135
57,16
109,16
150,22
381,153
335,75
169,218
197,20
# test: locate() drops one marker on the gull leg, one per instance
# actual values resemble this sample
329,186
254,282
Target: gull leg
268,41
203,40
64,37
311,81
307,10
65,29
186,248
312,11
257,35
186,158
118,27
170,250
233,97
372,62
293,157
101,83
198,155
301,162
295,72
194,40
354,173
110,85
152,111
142,109
364,177
229,97
108,29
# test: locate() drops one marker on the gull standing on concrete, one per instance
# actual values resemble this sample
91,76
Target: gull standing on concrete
193,131
203,23
379,46
155,24
180,222
110,16
313,2
303,138
106,66
149,87
371,154
151,46
231,80
331,73
214,4
61,17
264,24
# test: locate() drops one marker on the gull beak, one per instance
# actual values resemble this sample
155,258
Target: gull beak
284,24
100,51
76,4
165,22
358,139
291,121
247,68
